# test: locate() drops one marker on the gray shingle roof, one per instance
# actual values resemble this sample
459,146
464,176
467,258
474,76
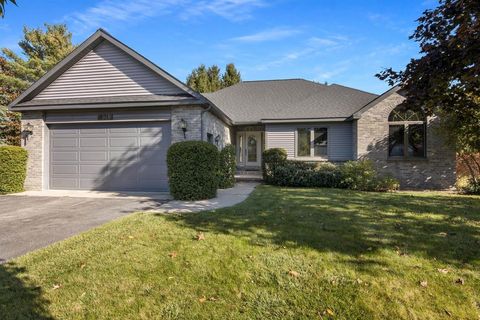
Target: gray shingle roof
254,101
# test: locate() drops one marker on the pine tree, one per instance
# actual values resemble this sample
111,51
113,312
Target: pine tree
215,83
41,49
231,76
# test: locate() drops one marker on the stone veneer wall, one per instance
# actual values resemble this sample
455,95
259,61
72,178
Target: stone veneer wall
192,115
437,171
34,145
212,124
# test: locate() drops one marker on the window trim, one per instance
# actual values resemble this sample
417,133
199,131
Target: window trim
406,125
312,146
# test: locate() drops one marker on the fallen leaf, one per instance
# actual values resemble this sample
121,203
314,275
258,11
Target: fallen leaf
170,278
83,266
172,254
56,286
460,281
424,283
328,312
293,273
442,234
131,237
202,299
212,299
359,281
448,313
443,271
200,236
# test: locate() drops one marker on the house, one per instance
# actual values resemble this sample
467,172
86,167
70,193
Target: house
104,117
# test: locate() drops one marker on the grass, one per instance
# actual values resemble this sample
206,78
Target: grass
283,253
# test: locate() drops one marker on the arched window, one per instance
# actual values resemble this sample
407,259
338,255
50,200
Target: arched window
407,133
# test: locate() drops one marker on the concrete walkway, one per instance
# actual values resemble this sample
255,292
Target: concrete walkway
225,198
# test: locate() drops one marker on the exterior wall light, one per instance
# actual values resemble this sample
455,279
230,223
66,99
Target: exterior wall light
183,126
28,129
217,140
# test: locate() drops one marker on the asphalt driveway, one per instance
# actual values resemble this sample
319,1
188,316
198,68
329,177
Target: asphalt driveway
29,222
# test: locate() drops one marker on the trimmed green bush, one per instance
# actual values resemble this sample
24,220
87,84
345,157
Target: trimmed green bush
270,159
13,168
227,167
192,170
355,175
358,175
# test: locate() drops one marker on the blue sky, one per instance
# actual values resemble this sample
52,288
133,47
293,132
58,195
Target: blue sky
344,42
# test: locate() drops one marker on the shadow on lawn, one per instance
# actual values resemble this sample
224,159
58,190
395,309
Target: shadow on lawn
446,228
18,299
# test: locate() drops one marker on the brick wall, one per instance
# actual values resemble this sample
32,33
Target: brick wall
437,171
34,145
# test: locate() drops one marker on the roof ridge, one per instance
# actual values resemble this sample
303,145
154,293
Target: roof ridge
341,85
285,79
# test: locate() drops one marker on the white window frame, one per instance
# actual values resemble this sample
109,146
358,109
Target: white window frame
312,147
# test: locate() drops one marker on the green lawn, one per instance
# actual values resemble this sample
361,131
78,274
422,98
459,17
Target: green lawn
283,253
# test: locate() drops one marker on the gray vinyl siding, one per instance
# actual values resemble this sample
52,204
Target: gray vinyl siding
280,136
340,139
104,72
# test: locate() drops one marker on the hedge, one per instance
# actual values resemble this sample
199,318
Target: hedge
13,168
270,159
192,170
227,167
355,175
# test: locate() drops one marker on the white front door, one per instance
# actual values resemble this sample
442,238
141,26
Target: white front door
249,148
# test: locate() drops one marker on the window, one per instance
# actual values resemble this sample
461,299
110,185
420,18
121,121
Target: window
406,134
312,142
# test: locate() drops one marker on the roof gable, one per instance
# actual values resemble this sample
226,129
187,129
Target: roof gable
116,62
108,71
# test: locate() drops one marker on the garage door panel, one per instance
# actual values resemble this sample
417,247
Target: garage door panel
93,142
113,156
93,156
93,131
124,142
64,156
65,183
64,142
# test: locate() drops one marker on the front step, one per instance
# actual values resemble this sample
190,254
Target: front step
248,176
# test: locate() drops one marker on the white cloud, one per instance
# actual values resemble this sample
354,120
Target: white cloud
311,46
110,12
234,10
268,35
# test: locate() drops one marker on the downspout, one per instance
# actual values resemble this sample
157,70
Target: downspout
201,120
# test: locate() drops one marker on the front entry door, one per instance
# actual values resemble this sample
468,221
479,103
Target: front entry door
249,148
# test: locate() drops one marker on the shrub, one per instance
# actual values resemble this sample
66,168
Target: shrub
358,175
468,186
192,170
387,183
270,159
13,168
227,167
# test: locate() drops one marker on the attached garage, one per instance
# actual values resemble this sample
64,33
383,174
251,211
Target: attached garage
109,156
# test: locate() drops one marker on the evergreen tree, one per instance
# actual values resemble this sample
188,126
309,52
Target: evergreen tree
2,6
41,49
203,79
215,83
231,76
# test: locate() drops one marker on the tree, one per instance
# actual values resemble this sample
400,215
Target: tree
41,50
2,6
445,79
203,79
231,76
